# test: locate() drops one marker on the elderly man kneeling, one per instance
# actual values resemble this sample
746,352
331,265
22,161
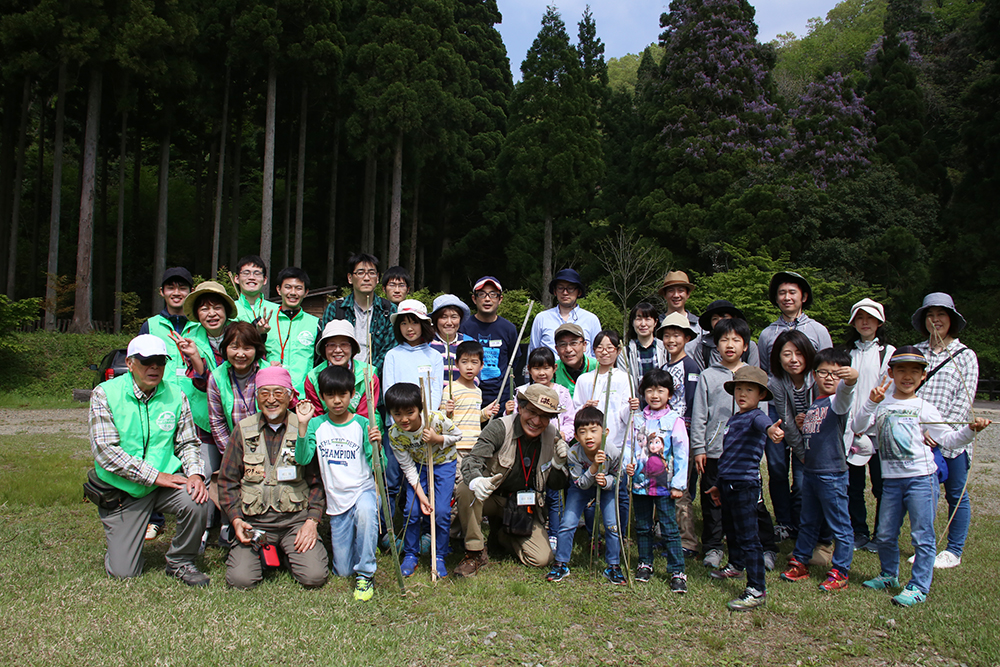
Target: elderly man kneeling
506,474
262,489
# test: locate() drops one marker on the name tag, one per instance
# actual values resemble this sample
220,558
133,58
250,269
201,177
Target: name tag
496,343
525,498
181,372
692,377
287,473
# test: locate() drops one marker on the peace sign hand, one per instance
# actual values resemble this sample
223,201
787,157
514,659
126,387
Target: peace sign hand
185,346
878,393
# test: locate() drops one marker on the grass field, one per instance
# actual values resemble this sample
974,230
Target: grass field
63,610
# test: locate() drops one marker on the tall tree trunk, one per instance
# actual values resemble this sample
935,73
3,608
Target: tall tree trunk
288,199
100,263
300,178
234,228
220,179
397,201
120,227
547,262
385,200
8,142
52,266
15,214
331,232
160,247
445,278
368,215
413,225
267,199
36,215
85,240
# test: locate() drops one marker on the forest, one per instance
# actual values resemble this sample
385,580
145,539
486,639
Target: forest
141,134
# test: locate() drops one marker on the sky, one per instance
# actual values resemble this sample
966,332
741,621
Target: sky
628,26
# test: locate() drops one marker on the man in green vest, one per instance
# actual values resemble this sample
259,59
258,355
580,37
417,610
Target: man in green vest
251,280
146,459
573,362
292,338
265,493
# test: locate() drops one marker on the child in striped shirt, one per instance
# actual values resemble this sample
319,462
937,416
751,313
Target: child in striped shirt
463,397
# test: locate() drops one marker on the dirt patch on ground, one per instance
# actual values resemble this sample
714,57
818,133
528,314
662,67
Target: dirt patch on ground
68,422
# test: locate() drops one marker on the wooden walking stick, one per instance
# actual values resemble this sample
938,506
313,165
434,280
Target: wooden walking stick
425,397
621,470
513,354
604,440
380,481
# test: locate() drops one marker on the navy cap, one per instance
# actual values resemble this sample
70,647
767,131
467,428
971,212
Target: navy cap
175,274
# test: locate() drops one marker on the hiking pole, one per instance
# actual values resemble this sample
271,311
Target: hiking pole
425,397
513,354
377,470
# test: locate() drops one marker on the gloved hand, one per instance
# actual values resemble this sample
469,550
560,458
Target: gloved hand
483,487
560,454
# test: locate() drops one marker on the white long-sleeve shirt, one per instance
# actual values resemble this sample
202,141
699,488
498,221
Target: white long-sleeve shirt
617,413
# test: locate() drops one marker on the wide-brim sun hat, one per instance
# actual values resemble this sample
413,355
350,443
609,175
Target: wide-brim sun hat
719,307
873,308
568,276
675,278
335,328
941,300
676,321
750,374
544,399
782,277
449,300
208,287
410,307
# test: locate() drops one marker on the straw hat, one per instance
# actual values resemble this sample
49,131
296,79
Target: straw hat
204,288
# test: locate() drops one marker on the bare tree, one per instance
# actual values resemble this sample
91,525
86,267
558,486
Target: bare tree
632,264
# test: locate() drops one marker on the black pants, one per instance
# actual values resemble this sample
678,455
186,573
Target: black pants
856,496
740,520
711,516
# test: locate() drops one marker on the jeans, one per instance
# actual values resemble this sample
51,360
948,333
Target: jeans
787,502
856,496
555,504
917,496
958,472
354,537
667,515
576,501
739,520
393,475
824,496
444,485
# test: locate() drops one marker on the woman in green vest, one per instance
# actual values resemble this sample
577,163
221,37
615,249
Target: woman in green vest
232,386
339,347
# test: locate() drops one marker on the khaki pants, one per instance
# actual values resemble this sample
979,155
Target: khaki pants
685,522
309,568
533,550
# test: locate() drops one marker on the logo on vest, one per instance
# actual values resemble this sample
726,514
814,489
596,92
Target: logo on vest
306,337
166,421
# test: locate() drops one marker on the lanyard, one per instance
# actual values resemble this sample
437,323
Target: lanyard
277,324
525,468
243,400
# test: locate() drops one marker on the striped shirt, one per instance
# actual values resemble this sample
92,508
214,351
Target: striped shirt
108,454
411,451
953,387
468,415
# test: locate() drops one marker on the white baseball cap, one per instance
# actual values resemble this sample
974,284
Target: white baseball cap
863,448
147,345
410,307
873,308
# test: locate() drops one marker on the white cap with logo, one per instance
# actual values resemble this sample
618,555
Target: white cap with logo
147,345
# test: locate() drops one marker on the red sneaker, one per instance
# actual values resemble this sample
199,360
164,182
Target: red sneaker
796,571
835,581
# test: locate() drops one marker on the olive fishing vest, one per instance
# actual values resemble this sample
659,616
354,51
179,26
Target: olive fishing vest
505,458
145,430
260,488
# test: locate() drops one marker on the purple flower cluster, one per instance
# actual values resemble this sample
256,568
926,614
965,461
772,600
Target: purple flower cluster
907,37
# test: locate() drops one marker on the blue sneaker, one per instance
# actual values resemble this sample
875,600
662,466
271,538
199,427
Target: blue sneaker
425,544
409,565
442,571
613,573
558,572
882,582
910,596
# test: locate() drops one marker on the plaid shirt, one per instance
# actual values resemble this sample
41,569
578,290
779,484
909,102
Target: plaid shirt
952,388
108,454
380,327
244,405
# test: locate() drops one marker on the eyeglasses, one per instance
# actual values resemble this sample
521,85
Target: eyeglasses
566,288
264,394
338,346
362,273
605,349
152,361
531,413
487,295
252,274
395,284
824,373
563,345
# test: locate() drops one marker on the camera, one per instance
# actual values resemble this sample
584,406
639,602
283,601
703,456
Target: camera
258,538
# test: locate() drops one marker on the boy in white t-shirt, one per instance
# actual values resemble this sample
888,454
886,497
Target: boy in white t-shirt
343,442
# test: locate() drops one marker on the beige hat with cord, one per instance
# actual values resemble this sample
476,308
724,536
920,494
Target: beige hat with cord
203,289
542,398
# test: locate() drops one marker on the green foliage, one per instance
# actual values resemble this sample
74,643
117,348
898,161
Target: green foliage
12,315
600,303
623,72
131,321
52,364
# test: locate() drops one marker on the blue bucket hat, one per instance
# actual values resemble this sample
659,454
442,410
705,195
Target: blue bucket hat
941,300
569,276
446,300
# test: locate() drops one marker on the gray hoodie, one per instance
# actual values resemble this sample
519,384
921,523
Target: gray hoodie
784,406
713,407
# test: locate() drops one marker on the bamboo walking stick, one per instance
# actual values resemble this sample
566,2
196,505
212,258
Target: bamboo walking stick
513,353
621,470
425,397
604,440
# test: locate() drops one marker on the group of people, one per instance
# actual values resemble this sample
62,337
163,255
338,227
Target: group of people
285,420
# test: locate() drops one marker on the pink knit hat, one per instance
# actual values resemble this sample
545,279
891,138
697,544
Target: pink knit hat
275,376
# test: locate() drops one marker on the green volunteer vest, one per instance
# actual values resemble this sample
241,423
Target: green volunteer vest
292,344
146,430
160,327
225,384
260,489
198,400
247,313
563,378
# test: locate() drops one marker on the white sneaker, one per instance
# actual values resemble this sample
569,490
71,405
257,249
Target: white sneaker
911,559
947,559
153,531
553,542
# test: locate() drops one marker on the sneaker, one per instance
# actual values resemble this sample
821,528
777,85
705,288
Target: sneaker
364,589
796,571
153,531
750,599
679,583
189,574
558,572
770,560
860,542
713,559
385,546
835,581
409,565
690,553
553,542
882,582
644,572
946,560
204,543
425,544
728,572
871,547
912,558
909,596
781,533
442,570
225,537
472,563
613,573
